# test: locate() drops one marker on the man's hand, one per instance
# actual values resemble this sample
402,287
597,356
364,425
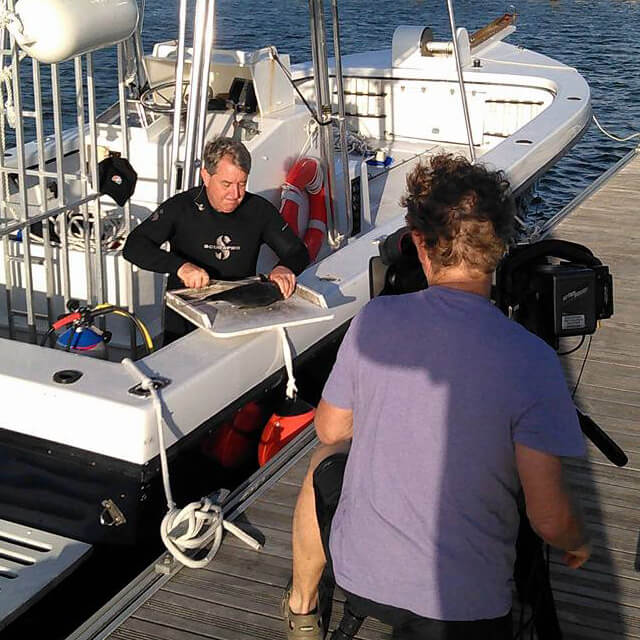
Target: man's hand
575,559
285,279
192,276
551,512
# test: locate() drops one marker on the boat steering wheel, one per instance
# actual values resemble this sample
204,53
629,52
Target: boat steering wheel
162,97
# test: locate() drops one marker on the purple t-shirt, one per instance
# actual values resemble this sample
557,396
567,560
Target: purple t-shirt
441,385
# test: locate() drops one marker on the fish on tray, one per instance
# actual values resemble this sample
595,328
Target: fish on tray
261,293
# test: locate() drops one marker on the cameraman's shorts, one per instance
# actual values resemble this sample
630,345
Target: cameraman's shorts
327,485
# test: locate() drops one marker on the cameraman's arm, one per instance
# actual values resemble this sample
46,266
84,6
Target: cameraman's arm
332,423
549,506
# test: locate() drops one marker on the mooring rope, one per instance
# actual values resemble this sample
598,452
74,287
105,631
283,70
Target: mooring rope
198,525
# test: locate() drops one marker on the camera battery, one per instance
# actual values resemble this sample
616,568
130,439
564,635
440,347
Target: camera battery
573,290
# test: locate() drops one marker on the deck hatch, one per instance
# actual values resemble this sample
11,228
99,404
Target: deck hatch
31,562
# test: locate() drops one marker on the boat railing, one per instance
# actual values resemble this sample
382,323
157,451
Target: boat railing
49,181
184,169
336,233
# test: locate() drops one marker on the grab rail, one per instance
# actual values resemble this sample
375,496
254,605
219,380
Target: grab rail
27,202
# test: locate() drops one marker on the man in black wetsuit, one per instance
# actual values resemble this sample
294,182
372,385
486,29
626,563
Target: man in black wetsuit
215,231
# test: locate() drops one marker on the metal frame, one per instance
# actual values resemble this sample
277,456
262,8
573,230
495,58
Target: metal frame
17,216
124,139
324,114
196,117
463,95
177,115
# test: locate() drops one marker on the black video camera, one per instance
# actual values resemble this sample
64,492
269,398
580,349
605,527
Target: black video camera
397,269
555,289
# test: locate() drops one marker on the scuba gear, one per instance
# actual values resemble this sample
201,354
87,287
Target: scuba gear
81,336
89,341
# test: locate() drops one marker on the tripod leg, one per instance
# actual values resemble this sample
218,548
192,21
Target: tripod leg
349,625
533,584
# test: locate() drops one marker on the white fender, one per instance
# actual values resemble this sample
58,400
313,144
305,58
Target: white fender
56,30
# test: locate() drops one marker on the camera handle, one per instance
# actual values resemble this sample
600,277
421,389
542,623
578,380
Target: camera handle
601,440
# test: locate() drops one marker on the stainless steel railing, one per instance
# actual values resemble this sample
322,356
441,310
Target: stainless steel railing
339,227
198,94
25,191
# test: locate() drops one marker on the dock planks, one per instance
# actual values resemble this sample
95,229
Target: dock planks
238,595
602,600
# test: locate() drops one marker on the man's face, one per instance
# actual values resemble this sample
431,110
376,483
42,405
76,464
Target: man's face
226,187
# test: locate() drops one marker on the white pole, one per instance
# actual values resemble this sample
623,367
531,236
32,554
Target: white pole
177,99
465,106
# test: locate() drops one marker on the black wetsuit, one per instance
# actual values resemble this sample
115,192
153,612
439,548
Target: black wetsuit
226,245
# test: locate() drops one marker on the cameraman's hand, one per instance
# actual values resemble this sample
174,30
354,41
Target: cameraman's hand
575,559
192,276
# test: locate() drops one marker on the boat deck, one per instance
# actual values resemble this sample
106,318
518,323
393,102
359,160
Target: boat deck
238,595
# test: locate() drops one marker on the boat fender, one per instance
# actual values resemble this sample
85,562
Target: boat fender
305,176
233,443
55,30
283,426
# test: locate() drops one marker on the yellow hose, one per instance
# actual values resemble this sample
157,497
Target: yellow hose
142,328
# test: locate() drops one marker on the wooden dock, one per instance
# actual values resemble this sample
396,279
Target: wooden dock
602,600
238,595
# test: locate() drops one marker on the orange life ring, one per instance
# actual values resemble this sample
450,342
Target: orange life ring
306,176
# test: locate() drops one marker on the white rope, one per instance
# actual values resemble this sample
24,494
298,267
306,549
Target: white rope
197,525
8,115
8,108
311,141
3,144
610,135
11,22
288,363
357,144
113,229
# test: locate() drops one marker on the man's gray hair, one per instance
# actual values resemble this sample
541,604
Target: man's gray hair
220,147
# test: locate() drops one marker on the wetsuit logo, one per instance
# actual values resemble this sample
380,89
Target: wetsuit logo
222,248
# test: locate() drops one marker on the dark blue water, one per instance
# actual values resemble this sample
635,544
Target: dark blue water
597,37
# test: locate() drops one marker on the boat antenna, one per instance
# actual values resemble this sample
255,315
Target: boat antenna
456,55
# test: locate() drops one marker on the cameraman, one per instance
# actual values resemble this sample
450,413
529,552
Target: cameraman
451,408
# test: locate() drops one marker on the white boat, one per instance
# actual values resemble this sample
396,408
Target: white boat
80,459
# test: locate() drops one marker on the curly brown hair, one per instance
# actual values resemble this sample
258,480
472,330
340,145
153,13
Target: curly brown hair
464,212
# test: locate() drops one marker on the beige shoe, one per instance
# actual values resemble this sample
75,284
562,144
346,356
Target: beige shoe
301,626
